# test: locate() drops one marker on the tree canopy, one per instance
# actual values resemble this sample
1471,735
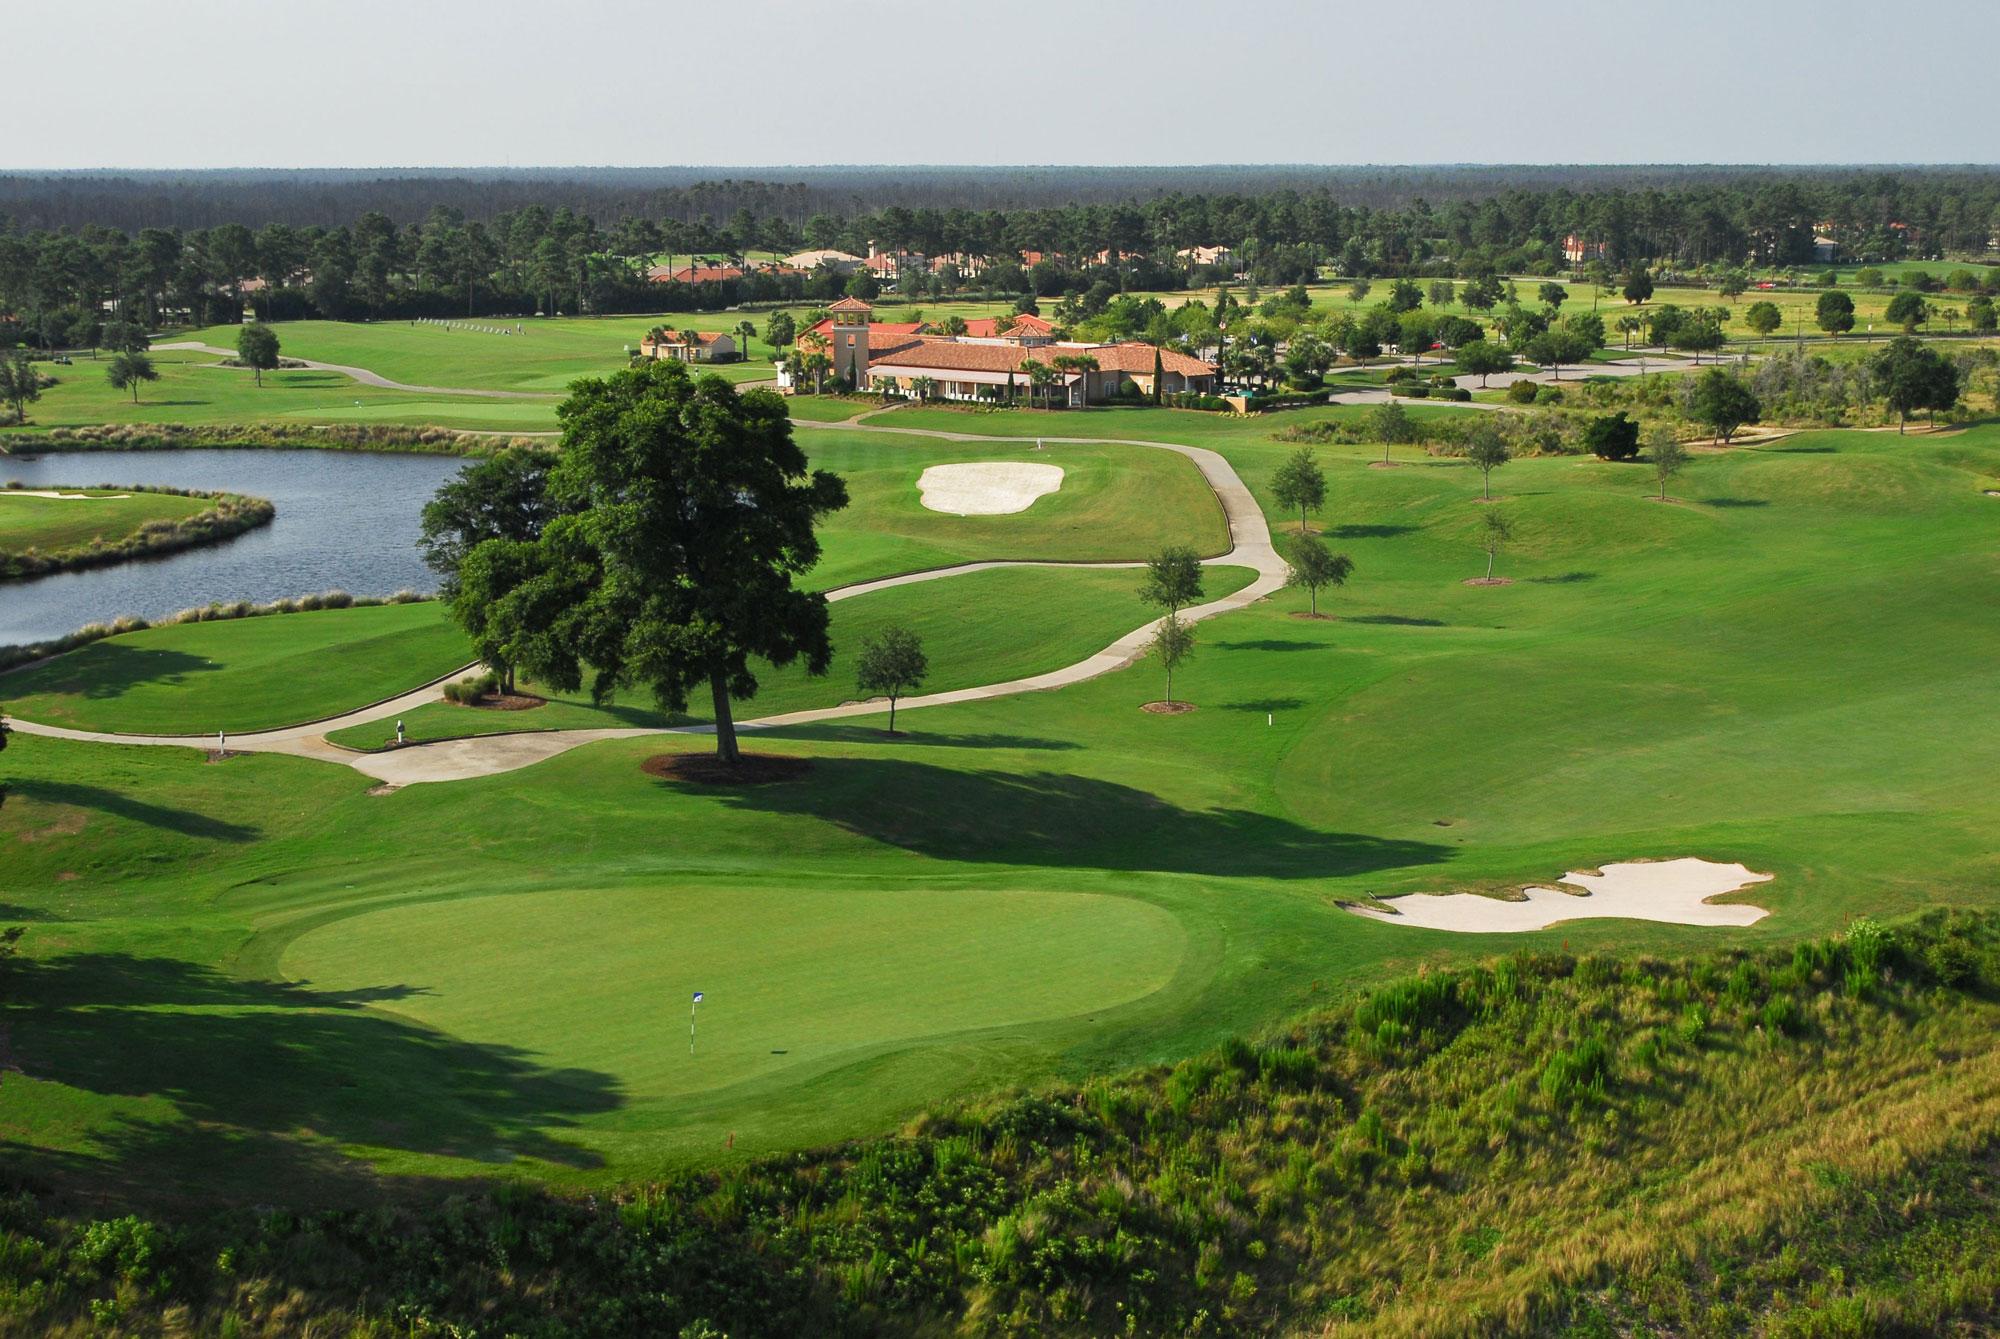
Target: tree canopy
686,510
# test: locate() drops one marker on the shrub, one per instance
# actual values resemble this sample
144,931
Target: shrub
1580,1072
1612,436
1523,392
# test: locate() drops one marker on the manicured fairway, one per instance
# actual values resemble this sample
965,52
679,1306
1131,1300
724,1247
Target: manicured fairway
193,389
51,524
245,977
980,627
240,674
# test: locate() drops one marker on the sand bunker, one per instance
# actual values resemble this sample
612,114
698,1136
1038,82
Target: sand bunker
1651,890
46,492
987,487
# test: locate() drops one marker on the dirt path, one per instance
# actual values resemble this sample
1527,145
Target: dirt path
488,755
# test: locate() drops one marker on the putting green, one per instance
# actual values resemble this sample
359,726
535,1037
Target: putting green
603,978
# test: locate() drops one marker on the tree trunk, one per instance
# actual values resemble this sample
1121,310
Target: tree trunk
892,713
1489,564
725,724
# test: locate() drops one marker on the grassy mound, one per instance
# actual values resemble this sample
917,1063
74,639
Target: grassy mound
1541,1144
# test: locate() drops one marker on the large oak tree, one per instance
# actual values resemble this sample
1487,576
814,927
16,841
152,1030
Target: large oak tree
687,510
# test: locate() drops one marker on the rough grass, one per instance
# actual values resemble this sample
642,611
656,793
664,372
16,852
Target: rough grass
54,524
1789,1142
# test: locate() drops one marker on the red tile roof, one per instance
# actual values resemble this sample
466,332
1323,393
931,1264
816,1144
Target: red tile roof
694,274
876,329
986,327
850,305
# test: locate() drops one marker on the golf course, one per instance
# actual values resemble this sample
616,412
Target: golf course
261,971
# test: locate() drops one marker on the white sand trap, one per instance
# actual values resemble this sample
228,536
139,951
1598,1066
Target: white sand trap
45,492
987,487
1639,890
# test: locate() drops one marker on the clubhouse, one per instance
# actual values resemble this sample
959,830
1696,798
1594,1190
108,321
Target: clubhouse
890,358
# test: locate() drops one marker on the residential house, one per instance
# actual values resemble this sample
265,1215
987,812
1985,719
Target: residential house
1580,251
689,346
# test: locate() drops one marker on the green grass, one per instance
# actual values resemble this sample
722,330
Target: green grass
240,674
981,627
1790,665
50,524
1115,504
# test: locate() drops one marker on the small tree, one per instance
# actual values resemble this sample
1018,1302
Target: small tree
1173,642
1669,457
20,383
745,332
257,348
1495,531
1358,290
1313,565
1173,579
891,663
1638,285
1392,424
1612,437
125,337
1300,485
1834,312
1552,295
1488,450
1764,317
1914,377
130,369
780,330
1482,358
1908,310
1724,403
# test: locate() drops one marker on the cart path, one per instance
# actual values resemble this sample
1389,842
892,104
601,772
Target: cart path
367,378
488,755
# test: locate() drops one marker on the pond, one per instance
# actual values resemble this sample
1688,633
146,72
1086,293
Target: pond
346,520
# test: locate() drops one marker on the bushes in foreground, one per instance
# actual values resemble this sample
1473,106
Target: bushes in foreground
13,657
232,514
1532,1145
288,436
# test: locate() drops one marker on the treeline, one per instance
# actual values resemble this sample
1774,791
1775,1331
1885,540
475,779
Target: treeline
1734,1143
542,258
316,197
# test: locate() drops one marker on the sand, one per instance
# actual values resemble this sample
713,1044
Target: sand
987,487
46,492
1676,891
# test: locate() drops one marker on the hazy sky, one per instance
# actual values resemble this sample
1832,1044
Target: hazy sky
367,83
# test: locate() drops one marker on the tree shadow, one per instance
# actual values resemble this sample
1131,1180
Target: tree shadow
1265,704
1369,531
109,669
268,1081
120,805
13,913
1271,644
1394,620
1058,820
1735,502
912,736
1565,579
1801,450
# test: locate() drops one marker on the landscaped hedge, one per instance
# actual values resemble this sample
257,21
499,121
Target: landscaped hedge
1262,402
285,436
232,514
13,657
1213,404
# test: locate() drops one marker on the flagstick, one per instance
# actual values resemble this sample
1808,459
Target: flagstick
692,1005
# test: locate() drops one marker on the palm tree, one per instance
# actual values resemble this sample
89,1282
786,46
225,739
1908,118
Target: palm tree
816,365
745,332
1040,377
923,388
